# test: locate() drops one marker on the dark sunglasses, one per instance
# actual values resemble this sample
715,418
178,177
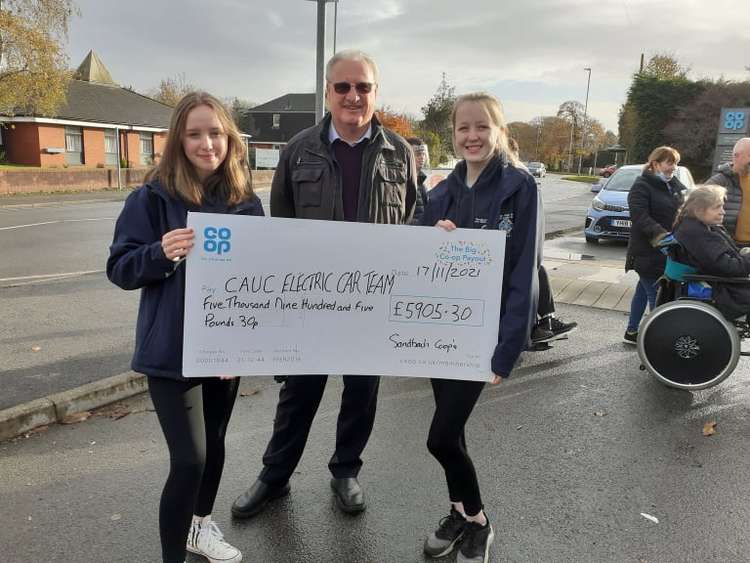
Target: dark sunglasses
360,87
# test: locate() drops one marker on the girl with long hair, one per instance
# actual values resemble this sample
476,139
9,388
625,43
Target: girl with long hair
203,168
488,189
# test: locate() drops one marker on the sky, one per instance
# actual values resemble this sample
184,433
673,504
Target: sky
531,53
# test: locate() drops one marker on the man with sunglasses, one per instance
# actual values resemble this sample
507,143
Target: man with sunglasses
346,168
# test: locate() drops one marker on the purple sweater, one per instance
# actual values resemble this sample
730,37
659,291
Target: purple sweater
349,160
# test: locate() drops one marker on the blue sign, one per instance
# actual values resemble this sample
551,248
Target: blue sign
735,120
217,240
733,126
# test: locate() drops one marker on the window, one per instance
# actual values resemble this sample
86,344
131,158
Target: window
147,148
276,120
74,145
110,147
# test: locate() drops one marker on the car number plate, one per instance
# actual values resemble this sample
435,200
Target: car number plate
620,223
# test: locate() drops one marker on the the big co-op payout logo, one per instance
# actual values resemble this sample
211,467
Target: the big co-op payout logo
217,240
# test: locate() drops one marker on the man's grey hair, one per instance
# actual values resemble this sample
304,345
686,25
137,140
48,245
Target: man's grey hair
353,55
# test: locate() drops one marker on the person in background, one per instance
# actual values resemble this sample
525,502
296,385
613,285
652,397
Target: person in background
346,168
203,168
548,327
654,199
706,245
735,177
488,189
422,161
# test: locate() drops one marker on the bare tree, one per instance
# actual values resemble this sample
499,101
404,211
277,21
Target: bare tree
172,89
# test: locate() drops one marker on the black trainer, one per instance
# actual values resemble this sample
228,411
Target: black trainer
475,547
559,328
443,540
630,337
541,333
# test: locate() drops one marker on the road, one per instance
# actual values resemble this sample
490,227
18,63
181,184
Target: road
65,324
571,451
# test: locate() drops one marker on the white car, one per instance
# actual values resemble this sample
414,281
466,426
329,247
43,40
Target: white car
537,169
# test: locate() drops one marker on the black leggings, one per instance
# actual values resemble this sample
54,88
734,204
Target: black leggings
454,401
194,416
546,304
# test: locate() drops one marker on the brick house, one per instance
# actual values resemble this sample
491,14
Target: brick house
97,118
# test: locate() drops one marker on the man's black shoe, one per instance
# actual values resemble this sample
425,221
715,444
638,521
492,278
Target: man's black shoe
349,495
253,500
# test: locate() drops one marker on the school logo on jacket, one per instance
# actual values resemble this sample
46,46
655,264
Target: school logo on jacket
505,223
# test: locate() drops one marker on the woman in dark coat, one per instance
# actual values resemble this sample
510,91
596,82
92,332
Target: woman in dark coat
706,245
202,169
488,189
654,199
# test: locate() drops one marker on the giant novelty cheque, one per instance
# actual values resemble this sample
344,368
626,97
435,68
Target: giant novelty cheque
271,296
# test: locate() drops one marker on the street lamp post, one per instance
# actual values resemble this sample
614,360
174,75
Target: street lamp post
319,59
539,125
585,117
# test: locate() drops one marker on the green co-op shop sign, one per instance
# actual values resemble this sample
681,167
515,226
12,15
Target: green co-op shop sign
733,125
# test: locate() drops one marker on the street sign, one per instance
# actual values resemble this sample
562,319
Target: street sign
266,158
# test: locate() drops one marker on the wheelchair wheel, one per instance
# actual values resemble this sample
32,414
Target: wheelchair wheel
688,345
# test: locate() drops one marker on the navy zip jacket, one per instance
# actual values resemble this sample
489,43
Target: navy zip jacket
503,197
137,261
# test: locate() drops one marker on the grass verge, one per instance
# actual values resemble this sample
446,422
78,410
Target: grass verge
587,179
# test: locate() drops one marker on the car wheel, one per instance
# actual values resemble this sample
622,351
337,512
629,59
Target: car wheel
592,240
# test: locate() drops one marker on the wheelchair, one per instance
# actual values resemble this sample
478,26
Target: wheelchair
686,342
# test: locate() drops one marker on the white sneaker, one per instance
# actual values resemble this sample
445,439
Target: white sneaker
205,538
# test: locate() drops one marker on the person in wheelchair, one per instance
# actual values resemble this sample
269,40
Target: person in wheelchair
707,246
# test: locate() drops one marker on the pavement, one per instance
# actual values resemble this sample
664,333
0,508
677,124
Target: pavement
575,453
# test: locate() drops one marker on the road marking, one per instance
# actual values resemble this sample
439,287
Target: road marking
51,276
55,222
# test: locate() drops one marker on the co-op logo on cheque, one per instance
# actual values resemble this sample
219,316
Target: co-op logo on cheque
464,253
217,240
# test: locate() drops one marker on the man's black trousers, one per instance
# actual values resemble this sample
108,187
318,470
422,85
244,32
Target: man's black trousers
299,399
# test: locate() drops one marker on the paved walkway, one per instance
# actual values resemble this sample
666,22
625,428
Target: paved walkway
603,285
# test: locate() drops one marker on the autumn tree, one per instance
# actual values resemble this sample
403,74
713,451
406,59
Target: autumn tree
172,89
525,135
437,121
574,113
33,65
395,121
553,137
665,67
